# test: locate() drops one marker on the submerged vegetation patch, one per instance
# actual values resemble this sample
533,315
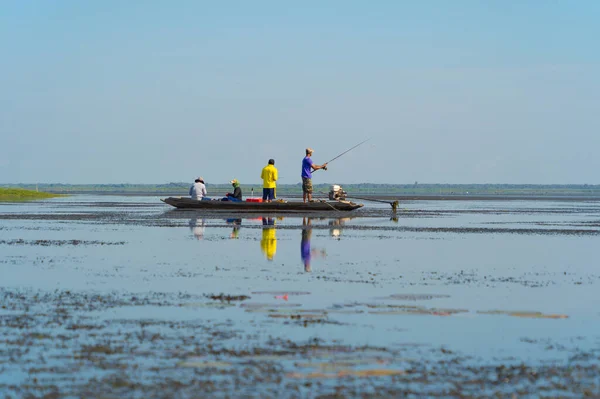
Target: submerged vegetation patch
57,344
59,243
417,297
289,293
525,314
227,297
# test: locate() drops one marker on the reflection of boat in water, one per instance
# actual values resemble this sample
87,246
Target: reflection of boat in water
276,206
197,226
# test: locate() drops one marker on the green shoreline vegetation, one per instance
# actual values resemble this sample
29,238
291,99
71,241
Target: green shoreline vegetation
19,194
182,189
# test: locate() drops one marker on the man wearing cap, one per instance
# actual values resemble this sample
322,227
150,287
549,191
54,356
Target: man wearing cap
269,176
198,189
307,168
236,196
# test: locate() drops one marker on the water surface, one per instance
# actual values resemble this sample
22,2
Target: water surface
489,282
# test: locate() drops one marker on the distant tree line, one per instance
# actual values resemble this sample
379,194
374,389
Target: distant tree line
181,188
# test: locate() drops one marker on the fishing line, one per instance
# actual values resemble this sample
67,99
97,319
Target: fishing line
359,144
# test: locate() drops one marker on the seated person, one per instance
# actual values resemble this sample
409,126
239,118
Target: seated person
237,192
198,189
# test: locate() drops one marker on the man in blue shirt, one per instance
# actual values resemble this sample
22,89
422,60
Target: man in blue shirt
307,168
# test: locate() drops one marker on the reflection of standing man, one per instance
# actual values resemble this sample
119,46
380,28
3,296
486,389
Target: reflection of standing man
305,243
197,228
268,243
307,168
269,176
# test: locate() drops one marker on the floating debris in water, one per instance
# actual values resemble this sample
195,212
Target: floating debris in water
59,243
524,314
388,306
416,297
210,305
205,364
344,311
420,311
389,309
343,363
256,305
280,293
347,373
299,316
227,298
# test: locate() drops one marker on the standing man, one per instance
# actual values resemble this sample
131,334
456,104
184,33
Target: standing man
307,168
269,176
198,189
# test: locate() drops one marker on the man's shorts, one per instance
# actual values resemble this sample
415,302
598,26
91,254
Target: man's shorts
306,185
268,194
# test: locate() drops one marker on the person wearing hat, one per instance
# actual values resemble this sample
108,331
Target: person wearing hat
237,191
269,176
198,189
307,168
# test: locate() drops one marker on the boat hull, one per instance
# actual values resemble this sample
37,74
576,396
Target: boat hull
230,206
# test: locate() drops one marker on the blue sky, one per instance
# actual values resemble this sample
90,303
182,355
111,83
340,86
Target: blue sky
155,92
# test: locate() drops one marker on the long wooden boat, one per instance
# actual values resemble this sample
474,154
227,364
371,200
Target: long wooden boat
275,206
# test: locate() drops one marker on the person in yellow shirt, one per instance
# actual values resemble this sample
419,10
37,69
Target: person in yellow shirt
269,176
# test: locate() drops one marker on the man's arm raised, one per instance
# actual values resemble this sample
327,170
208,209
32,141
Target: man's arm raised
317,167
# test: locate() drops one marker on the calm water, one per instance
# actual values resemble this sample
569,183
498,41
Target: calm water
469,257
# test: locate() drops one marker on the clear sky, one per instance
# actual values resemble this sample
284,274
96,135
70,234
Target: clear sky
138,91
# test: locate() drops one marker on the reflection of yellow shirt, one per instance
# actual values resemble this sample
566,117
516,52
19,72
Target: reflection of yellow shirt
268,243
269,176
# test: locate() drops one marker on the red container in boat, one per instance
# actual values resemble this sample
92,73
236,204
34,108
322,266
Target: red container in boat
253,199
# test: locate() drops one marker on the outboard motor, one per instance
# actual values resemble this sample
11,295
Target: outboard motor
337,193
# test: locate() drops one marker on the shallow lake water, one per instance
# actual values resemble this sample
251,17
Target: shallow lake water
482,284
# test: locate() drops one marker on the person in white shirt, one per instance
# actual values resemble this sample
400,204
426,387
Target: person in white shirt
198,190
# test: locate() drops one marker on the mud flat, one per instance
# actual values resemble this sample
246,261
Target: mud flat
123,297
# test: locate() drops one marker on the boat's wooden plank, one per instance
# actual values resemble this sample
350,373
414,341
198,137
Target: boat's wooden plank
188,203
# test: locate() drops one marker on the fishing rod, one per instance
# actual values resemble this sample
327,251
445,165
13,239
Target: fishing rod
393,204
359,144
